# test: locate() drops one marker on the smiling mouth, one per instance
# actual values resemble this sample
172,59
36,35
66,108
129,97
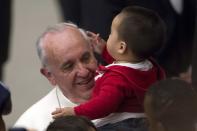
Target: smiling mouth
85,81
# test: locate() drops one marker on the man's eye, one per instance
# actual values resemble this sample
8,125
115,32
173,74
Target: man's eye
67,67
86,57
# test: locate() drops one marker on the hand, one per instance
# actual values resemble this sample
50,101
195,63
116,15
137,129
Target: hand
60,112
186,76
96,41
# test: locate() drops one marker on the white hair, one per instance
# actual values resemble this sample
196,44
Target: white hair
54,29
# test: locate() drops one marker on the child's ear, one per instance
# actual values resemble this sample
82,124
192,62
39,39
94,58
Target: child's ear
122,47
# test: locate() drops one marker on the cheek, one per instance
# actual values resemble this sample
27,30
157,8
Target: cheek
110,50
69,78
66,83
93,63
65,80
110,41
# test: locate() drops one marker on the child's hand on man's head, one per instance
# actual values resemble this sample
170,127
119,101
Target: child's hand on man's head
60,112
96,41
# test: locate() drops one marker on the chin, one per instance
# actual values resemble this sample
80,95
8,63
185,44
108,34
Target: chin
88,90
86,95
92,83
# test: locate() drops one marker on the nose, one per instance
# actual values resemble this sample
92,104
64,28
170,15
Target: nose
82,70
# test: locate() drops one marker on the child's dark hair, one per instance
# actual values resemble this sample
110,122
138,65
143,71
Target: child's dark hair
173,103
71,123
143,31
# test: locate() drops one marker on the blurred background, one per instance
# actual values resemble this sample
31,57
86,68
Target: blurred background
29,19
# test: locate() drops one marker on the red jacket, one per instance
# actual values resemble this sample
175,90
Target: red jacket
120,89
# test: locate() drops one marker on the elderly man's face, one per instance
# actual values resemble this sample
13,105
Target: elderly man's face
71,64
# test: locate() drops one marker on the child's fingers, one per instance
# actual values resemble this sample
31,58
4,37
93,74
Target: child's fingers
93,35
90,34
57,115
58,110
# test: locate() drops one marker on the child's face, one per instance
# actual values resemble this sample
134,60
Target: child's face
113,41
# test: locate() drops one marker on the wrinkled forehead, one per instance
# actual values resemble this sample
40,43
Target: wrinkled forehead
67,35
65,38
65,42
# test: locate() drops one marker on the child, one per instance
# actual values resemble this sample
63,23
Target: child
71,123
136,34
171,105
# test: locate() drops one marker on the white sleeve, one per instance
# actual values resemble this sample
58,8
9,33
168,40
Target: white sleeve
26,120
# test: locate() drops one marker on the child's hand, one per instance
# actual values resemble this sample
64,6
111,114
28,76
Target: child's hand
60,112
97,42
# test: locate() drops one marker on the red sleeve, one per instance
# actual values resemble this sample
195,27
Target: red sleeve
106,102
106,56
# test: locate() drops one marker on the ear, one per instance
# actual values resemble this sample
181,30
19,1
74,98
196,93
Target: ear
122,47
48,75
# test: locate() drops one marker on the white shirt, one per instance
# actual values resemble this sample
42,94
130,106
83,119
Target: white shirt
38,116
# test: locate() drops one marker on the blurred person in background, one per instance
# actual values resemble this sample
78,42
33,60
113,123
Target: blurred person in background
5,104
71,123
5,25
6,108
194,58
171,105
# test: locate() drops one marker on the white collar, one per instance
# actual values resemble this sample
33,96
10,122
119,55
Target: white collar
61,99
143,66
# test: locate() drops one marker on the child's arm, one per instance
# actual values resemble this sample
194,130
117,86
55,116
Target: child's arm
99,46
97,42
60,112
108,101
